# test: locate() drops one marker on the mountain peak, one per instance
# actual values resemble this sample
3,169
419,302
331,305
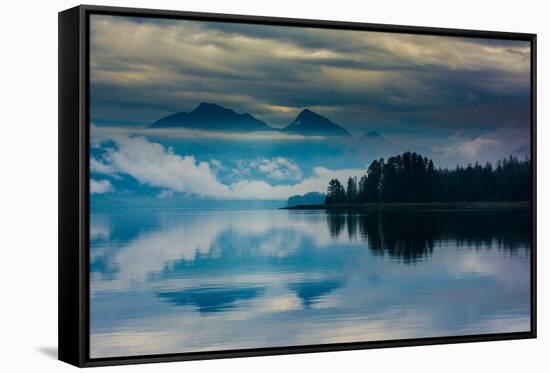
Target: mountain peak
210,107
375,139
206,105
210,116
310,123
306,113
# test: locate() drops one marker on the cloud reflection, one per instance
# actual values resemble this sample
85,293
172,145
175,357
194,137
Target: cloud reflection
243,279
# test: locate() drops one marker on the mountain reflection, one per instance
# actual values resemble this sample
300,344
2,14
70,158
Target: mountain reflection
411,235
310,292
210,299
190,279
179,244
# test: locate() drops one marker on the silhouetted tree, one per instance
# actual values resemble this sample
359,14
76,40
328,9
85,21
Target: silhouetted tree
351,191
374,177
362,189
409,177
335,192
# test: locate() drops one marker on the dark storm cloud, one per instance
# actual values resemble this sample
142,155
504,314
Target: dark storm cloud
416,85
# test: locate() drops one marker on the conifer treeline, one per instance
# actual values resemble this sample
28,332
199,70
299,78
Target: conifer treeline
412,178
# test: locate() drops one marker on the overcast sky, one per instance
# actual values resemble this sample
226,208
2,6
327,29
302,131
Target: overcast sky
407,87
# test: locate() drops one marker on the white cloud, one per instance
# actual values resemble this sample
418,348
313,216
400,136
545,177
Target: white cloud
165,193
100,186
100,167
258,189
472,148
490,146
216,165
152,164
279,168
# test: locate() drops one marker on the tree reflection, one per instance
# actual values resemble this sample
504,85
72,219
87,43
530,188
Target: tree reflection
336,223
410,235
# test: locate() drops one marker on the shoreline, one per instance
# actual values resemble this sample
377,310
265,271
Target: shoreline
494,205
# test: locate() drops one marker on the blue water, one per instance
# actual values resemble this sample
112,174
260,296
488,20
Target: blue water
176,280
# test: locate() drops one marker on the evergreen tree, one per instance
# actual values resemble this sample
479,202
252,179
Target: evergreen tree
335,192
412,178
372,184
362,189
351,192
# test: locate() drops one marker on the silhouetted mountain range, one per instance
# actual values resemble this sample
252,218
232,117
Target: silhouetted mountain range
213,117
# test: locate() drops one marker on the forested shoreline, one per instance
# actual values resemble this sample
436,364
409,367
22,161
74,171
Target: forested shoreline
410,177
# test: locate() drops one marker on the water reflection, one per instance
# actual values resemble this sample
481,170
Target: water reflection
210,299
165,281
310,292
411,235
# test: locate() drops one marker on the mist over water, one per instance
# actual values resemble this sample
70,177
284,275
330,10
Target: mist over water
166,281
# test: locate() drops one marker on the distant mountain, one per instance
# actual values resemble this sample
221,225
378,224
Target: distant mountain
213,117
373,144
375,137
308,123
311,198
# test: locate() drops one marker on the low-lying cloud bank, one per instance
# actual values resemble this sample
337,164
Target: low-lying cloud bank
189,133
490,146
155,165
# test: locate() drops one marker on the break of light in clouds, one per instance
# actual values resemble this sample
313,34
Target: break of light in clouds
458,100
143,69
183,226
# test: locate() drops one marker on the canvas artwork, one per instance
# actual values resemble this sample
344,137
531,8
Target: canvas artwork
262,186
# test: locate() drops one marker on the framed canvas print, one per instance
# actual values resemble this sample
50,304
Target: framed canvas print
238,186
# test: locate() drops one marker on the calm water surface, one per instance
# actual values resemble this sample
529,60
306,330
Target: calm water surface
168,281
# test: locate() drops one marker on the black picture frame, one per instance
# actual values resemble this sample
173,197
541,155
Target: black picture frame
74,191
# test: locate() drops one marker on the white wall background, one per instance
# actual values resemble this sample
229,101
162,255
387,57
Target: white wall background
28,194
